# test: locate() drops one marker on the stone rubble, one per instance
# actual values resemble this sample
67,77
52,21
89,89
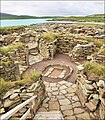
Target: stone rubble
92,95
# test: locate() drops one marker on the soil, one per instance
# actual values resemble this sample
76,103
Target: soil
58,59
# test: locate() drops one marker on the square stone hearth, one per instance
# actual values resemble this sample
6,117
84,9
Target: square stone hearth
55,73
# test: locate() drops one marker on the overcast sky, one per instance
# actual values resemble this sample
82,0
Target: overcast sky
53,8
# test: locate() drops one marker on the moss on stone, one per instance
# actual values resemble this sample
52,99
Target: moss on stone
6,49
49,36
27,80
93,67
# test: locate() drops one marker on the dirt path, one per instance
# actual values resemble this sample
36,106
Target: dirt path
58,59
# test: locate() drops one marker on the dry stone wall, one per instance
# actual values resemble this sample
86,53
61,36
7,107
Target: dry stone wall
47,49
9,70
16,96
66,44
81,52
92,95
100,57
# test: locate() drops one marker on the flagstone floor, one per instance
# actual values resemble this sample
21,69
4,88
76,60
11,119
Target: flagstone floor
61,96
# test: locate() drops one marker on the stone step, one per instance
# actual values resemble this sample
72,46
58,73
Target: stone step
53,115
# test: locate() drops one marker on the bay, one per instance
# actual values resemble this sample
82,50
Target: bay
19,22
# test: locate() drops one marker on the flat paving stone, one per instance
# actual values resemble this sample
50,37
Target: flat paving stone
53,106
68,112
62,97
66,107
63,91
54,88
71,90
75,98
64,102
78,110
76,104
62,87
42,109
83,116
70,118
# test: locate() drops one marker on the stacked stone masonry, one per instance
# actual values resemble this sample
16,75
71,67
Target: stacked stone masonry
81,52
92,95
9,70
16,96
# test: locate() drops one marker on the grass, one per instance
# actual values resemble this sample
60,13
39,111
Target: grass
27,80
49,36
102,51
95,68
91,25
83,19
6,49
11,29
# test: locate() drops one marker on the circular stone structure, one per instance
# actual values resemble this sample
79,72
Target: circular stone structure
57,72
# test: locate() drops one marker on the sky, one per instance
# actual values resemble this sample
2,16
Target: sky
52,8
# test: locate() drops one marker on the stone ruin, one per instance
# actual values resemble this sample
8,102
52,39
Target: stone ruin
18,95
57,71
91,92
100,57
47,49
81,52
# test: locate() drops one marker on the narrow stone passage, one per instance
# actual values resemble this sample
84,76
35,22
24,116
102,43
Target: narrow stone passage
61,96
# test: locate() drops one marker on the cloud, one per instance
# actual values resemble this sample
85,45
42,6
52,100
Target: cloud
41,8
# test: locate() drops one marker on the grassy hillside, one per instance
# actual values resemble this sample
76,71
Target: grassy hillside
80,19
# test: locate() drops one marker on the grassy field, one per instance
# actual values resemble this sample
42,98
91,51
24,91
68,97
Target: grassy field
80,19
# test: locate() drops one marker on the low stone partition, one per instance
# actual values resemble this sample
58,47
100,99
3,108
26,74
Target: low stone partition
99,57
9,70
7,39
20,55
92,94
29,35
47,48
17,95
65,44
81,52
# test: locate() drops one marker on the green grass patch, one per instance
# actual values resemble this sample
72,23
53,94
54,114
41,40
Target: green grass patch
6,49
102,51
82,19
27,80
11,29
49,36
95,68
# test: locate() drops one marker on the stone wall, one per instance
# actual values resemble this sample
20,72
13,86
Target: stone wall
66,44
81,52
99,57
9,70
7,39
92,95
47,49
16,96
20,55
